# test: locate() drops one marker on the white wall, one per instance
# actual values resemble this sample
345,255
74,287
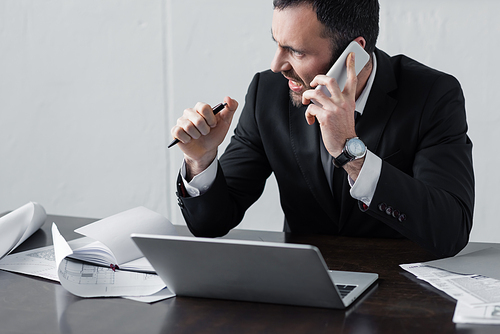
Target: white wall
82,105
89,90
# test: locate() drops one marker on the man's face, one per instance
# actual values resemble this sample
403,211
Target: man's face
302,51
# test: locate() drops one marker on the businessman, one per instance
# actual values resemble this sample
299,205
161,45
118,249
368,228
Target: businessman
388,156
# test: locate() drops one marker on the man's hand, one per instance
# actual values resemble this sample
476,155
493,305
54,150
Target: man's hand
201,132
336,116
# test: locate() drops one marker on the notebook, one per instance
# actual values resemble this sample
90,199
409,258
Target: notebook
255,271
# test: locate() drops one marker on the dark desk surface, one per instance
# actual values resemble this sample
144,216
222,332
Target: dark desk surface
398,303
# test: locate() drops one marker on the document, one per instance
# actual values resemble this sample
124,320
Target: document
19,225
87,280
160,295
107,244
111,243
38,262
478,297
484,262
486,315
41,262
473,290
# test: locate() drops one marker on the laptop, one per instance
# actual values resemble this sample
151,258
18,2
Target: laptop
255,271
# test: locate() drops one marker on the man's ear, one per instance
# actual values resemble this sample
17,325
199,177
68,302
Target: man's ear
361,41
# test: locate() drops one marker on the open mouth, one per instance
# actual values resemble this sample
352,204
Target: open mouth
295,85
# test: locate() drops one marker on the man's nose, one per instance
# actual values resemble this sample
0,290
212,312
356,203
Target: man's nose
280,62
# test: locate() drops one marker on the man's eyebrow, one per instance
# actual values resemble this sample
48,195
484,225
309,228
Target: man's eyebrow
285,46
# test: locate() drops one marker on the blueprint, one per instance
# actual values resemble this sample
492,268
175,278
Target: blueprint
38,262
87,280
81,278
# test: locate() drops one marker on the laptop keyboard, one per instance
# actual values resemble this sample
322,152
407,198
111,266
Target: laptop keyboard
345,289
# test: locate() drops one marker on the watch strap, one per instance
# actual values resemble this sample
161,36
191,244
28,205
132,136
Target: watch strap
341,160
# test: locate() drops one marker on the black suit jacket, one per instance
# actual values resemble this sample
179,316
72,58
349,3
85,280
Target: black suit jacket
414,120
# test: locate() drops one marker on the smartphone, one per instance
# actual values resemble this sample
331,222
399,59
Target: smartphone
339,69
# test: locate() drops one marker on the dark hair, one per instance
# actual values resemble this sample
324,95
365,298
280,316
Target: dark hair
344,20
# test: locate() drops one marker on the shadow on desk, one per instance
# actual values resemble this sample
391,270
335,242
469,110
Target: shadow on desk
198,315
245,317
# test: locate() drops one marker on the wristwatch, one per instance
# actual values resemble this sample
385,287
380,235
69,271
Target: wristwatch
354,149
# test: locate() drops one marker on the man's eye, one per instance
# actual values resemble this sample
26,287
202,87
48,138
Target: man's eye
297,53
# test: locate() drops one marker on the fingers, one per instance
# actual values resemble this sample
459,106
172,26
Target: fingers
331,87
333,108
232,105
352,79
202,116
322,96
310,114
200,120
337,99
193,124
228,112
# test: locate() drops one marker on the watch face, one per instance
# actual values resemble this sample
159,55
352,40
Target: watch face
356,147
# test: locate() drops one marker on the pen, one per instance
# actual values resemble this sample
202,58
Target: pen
215,110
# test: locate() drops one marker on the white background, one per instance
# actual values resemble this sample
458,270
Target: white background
89,90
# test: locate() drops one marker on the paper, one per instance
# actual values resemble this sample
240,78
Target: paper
19,225
478,297
473,279
41,262
38,262
160,295
113,234
474,290
86,280
485,262
82,278
486,315
108,238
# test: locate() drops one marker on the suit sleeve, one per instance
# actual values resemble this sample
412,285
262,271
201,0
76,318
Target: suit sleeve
240,180
433,204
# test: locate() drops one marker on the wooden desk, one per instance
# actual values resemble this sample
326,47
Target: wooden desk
397,303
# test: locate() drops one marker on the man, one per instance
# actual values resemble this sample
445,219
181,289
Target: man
414,180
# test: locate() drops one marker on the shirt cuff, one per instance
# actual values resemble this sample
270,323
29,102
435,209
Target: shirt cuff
201,182
364,187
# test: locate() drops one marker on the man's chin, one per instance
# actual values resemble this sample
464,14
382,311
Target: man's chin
296,99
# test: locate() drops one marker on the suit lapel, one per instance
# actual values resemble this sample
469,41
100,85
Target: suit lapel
305,143
380,104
